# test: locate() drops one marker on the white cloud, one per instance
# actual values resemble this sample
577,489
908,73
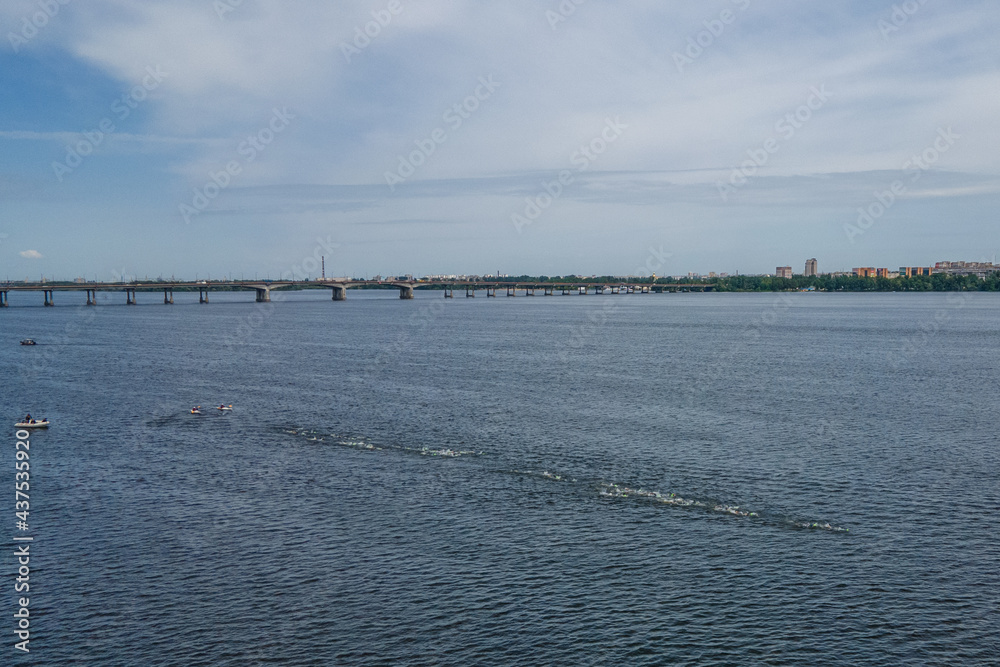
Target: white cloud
31,254
686,130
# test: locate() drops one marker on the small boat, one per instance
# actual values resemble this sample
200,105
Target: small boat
196,411
225,408
28,341
44,423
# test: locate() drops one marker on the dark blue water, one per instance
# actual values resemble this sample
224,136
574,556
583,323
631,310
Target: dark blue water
644,479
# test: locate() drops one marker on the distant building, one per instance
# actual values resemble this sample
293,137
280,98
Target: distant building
864,272
712,274
783,272
910,271
978,269
882,273
811,266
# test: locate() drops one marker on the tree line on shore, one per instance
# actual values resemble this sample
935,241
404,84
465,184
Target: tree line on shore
937,282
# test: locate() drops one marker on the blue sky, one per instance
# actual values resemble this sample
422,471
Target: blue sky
714,136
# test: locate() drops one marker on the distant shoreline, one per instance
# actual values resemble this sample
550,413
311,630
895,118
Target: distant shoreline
937,282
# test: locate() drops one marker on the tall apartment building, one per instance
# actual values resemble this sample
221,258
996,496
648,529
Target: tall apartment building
783,271
811,266
871,272
910,271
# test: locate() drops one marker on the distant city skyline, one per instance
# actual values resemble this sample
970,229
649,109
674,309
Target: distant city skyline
979,267
188,137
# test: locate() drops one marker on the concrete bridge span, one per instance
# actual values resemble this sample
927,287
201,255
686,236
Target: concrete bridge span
262,288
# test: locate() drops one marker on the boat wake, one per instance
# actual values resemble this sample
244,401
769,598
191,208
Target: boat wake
815,525
448,453
612,490
545,474
606,490
341,441
360,443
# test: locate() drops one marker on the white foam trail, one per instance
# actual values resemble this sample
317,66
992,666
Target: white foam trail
613,490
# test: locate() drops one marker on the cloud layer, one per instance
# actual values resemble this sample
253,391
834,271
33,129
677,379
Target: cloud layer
752,133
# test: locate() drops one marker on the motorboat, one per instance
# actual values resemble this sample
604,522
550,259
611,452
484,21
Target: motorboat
44,423
28,341
225,408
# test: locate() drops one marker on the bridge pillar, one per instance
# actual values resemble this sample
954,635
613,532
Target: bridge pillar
91,297
339,292
470,292
511,291
565,292
3,299
202,295
129,297
168,295
548,291
48,298
529,291
491,291
405,292
449,293
263,294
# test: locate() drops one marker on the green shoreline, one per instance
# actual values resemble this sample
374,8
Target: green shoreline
938,282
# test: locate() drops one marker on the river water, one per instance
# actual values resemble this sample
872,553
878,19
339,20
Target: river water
703,479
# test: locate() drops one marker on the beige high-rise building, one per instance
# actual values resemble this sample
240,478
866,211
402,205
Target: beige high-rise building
783,272
811,267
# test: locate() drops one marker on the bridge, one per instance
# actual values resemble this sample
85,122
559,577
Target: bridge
339,288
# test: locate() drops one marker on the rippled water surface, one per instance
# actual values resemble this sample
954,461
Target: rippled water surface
641,480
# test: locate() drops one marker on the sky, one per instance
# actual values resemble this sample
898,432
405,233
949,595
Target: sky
213,138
